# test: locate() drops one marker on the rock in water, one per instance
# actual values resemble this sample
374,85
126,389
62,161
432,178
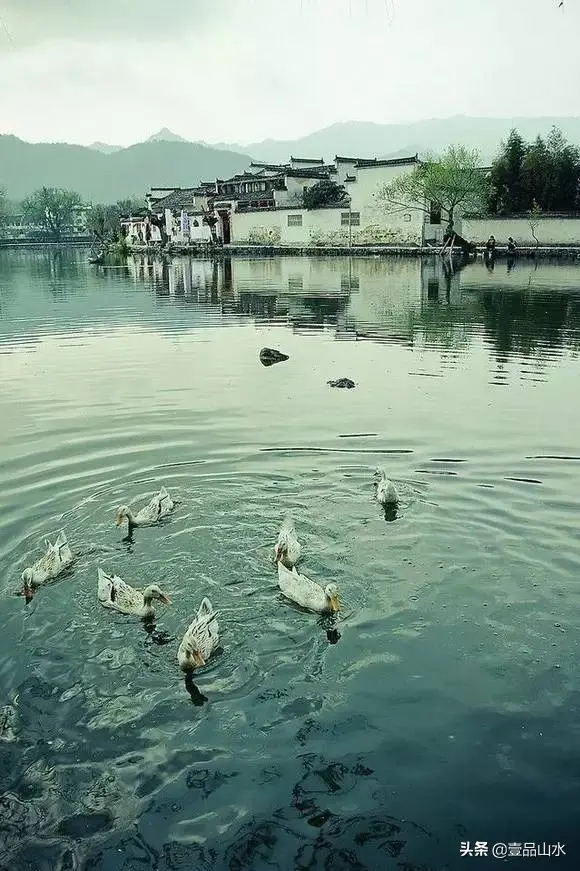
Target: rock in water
342,382
269,356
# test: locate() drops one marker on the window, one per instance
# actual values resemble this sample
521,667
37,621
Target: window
294,220
296,283
406,218
354,219
434,213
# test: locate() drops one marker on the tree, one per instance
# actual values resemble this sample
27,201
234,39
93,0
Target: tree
534,215
53,209
454,181
103,223
324,193
506,182
546,171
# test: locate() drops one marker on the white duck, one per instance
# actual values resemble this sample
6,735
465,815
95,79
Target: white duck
57,558
386,490
287,549
201,638
160,506
113,592
307,593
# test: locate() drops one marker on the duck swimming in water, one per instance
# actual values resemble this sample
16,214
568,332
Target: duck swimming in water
57,558
160,506
201,638
307,593
113,592
287,549
387,493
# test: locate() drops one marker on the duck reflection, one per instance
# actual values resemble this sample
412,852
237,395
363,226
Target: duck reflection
391,512
193,690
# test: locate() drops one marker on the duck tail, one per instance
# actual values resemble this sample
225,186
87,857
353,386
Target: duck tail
206,606
61,539
287,524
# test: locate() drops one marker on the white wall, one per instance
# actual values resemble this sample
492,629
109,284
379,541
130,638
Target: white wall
550,231
322,227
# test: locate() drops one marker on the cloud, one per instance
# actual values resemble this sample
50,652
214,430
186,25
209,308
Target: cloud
31,22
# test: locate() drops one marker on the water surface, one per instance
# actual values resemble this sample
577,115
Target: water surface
445,706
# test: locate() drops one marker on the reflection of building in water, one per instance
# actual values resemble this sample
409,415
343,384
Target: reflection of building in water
395,299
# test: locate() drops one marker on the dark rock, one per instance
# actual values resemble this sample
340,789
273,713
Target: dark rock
342,382
269,356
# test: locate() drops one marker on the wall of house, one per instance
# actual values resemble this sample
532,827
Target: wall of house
323,227
377,221
295,189
549,230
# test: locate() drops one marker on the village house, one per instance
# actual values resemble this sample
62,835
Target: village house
264,206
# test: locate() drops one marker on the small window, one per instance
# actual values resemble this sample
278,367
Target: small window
196,223
296,283
294,220
407,218
354,219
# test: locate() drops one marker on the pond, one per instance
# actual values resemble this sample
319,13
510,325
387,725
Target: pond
441,708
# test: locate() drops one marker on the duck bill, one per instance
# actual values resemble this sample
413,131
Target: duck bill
118,521
334,604
198,660
165,599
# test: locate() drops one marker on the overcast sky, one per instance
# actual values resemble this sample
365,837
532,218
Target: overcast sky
247,70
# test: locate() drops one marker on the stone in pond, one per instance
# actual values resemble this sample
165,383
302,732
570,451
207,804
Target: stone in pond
342,382
269,356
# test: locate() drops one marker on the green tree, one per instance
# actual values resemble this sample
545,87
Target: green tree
324,193
452,182
53,209
103,223
506,181
545,171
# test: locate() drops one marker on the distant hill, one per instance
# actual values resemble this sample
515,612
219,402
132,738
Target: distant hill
129,172
166,135
104,148
365,139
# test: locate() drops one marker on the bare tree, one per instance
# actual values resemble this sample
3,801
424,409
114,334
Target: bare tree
53,209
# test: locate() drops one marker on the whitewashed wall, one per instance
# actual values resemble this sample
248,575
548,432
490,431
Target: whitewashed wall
550,231
323,227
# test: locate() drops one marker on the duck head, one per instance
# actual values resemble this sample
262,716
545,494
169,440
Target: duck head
331,593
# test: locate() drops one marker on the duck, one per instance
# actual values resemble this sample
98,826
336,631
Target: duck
113,592
57,558
386,490
287,549
201,638
160,506
307,593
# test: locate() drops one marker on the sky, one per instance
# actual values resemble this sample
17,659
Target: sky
241,71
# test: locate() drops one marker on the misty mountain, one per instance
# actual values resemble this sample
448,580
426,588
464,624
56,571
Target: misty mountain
104,148
165,135
106,178
365,139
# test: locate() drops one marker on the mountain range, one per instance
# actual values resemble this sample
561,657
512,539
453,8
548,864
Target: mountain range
103,172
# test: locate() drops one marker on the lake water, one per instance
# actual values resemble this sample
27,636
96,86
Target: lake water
446,706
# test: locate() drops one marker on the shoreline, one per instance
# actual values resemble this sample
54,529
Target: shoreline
205,251
554,251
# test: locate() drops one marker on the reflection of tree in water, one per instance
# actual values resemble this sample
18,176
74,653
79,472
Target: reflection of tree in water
524,322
